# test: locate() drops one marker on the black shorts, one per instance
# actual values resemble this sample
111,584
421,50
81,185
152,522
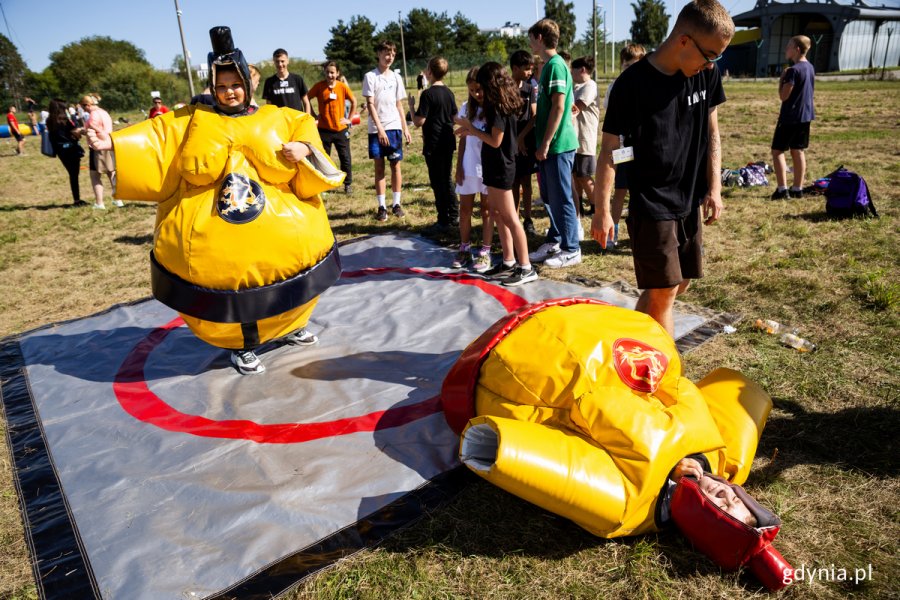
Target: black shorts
622,176
791,136
584,165
501,181
16,135
525,165
666,252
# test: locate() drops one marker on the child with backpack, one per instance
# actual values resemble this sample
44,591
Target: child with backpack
434,115
498,158
469,182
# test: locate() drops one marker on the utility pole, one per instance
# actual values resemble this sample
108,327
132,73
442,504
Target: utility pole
886,46
402,49
187,55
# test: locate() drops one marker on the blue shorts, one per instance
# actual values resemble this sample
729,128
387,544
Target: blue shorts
394,152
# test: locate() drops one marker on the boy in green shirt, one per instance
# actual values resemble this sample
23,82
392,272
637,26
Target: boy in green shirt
556,144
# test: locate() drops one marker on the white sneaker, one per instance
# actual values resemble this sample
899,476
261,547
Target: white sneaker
580,229
118,203
544,252
563,259
246,362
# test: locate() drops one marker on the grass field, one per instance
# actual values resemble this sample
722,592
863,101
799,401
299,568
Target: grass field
828,462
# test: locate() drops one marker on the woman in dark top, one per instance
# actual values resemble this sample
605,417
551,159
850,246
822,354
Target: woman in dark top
64,136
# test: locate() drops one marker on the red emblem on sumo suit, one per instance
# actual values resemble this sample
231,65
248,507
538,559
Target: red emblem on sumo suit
640,366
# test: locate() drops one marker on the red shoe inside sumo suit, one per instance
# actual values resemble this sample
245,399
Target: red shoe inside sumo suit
581,408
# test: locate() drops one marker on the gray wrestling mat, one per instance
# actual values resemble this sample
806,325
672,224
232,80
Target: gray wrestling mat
148,468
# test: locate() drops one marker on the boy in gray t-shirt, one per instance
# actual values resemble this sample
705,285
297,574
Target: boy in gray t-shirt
795,89
586,117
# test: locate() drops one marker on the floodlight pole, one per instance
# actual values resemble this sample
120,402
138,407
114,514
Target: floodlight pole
612,34
594,30
403,49
187,60
605,39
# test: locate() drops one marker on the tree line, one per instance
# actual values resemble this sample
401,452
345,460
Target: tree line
426,33
116,69
120,72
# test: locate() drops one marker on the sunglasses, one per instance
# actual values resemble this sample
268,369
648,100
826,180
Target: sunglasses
703,53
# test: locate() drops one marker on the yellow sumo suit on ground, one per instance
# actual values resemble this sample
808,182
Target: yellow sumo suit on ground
581,408
242,247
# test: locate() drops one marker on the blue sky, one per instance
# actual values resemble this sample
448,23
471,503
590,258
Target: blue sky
39,28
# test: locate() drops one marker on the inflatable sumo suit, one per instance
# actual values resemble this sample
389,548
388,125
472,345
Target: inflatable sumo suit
242,247
581,408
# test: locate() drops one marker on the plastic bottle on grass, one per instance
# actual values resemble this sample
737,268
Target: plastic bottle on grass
774,327
797,342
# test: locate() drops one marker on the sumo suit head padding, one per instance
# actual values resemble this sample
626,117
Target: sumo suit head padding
729,542
224,53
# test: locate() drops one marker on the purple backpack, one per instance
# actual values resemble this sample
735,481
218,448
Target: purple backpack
848,195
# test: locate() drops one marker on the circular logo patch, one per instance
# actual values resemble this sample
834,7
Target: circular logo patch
640,366
240,199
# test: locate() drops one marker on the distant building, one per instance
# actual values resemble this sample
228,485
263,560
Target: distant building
851,35
508,30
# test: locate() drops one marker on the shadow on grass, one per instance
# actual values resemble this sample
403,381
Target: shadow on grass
813,217
18,207
856,438
134,240
484,521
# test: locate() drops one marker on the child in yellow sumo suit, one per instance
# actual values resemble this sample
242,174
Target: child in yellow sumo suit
242,246
581,408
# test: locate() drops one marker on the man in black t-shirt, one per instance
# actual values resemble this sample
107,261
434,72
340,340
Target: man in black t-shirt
434,115
662,111
283,88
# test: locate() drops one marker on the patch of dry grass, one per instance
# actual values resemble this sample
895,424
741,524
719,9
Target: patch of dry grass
827,461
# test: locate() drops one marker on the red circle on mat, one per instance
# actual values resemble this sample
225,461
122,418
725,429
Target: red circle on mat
135,396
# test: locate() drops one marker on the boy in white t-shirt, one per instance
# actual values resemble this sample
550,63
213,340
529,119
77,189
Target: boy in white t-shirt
586,116
384,93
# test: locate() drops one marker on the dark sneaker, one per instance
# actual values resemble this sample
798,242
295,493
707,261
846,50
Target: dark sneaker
79,203
544,252
348,189
397,211
463,260
519,276
529,227
499,271
246,362
382,214
779,195
301,337
795,193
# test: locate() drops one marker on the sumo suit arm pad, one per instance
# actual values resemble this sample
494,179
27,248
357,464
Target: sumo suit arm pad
559,471
740,408
146,168
316,173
